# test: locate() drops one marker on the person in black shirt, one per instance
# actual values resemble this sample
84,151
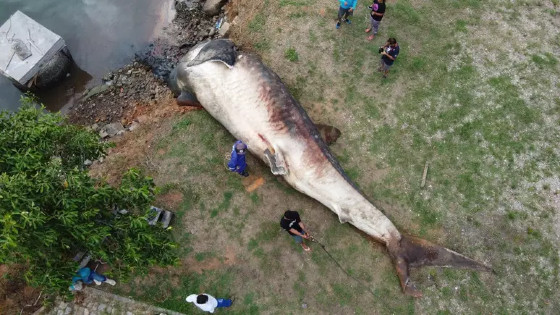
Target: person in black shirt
292,224
377,12
389,53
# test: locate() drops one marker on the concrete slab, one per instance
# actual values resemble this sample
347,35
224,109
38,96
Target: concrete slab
42,43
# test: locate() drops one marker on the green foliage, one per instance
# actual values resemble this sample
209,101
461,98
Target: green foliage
291,54
404,11
257,24
50,209
295,3
544,60
263,45
461,25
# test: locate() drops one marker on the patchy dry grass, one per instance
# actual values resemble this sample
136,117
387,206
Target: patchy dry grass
475,91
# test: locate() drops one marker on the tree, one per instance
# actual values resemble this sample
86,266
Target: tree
50,209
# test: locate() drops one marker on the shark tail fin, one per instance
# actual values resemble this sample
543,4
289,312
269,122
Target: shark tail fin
411,252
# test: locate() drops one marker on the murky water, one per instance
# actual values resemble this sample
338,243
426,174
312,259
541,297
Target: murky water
101,35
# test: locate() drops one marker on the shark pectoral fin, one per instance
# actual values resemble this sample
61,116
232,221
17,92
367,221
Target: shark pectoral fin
187,99
276,163
414,252
344,216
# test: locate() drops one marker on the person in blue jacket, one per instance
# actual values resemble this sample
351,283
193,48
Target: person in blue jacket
237,161
87,276
346,9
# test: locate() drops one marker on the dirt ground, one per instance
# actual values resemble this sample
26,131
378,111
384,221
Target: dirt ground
15,296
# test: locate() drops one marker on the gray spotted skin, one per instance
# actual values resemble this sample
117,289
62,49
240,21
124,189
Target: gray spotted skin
254,105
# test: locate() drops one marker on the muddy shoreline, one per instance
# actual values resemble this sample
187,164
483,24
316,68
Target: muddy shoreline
143,82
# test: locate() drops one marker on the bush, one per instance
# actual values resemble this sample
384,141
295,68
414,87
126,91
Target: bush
50,208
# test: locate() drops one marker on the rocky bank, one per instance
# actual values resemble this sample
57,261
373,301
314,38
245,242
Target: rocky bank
126,93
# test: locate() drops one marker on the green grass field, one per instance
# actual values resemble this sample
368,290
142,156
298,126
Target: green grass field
474,92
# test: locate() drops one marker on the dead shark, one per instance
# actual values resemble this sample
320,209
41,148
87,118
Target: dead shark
251,101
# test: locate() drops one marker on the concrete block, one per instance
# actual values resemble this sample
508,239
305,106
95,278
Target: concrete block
42,43
224,29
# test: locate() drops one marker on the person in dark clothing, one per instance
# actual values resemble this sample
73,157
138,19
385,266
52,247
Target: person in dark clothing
389,53
237,161
291,222
377,12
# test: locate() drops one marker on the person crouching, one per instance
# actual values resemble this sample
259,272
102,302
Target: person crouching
237,161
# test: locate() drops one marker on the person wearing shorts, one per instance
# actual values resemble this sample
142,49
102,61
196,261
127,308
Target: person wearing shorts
346,9
389,53
377,12
291,222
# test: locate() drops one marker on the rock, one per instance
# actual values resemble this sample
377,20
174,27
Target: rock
142,119
111,129
212,31
94,127
121,132
224,29
96,90
133,126
103,134
101,307
212,7
186,5
108,77
53,70
88,162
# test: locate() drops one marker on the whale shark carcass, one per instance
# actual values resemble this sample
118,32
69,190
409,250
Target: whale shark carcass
251,101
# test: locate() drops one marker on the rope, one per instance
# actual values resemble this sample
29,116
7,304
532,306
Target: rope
314,240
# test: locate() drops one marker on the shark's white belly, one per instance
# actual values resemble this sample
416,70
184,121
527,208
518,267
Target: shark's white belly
231,95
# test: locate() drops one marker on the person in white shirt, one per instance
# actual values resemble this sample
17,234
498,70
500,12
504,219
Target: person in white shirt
208,303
